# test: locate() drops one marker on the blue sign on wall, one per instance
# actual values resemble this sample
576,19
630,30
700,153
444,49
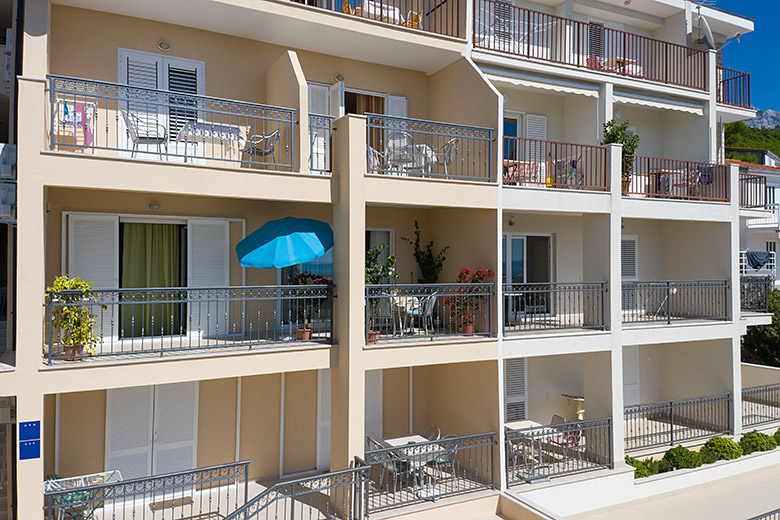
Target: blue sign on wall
30,440
29,431
29,449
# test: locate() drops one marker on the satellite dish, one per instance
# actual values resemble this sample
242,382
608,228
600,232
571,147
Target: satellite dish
705,34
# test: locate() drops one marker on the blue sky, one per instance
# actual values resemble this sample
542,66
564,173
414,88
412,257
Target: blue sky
757,53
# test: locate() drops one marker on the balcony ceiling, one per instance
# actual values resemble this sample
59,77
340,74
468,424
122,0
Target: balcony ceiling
297,27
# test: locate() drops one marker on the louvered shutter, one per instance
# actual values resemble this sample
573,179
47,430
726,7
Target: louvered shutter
143,70
323,419
208,257
336,99
515,390
628,266
630,375
397,106
596,40
373,404
504,26
319,104
536,128
129,431
175,427
93,255
181,77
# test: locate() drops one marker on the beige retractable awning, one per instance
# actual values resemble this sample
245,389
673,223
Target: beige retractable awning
657,103
515,82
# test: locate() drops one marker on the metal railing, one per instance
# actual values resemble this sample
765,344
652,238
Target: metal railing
754,292
168,320
119,120
771,221
419,148
435,16
428,311
667,301
660,178
503,27
210,492
320,143
767,269
733,87
760,405
337,495
430,470
772,515
532,162
679,420
555,450
752,191
554,305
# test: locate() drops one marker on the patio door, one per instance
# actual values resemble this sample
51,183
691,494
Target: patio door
156,113
373,404
151,430
515,390
630,375
629,273
208,257
527,260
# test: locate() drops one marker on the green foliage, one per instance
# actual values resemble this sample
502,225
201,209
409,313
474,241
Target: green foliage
615,133
757,441
707,456
71,313
739,135
747,157
641,467
777,436
761,344
680,457
723,448
664,466
430,264
376,271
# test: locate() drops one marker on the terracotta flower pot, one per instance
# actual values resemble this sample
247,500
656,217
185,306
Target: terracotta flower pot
625,184
304,334
468,328
74,352
373,336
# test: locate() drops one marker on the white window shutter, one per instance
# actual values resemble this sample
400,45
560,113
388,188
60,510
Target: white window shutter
397,106
319,99
93,249
373,404
336,99
628,258
323,419
319,138
536,128
208,257
140,69
515,389
175,427
129,431
630,375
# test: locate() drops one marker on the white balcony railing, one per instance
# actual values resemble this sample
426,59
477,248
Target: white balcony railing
770,221
767,269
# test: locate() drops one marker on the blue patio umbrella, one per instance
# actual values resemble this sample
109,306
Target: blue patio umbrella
285,242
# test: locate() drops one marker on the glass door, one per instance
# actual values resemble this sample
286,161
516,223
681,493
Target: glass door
526,260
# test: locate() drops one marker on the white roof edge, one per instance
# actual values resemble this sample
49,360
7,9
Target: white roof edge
742,22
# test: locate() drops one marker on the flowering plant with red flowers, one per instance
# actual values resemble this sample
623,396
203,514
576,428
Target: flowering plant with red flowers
464,305
308,301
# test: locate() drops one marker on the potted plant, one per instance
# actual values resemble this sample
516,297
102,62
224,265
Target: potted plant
430,264
615,133
464,306
307,306
376,273
71,301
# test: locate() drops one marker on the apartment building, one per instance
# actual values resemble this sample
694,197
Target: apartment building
150,138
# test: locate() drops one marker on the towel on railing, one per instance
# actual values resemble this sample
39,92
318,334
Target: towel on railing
758,259
81,112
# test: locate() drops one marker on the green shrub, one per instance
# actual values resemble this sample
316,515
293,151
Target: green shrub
757,441
643,468
724,448
777,436
707,456
664,466
680,457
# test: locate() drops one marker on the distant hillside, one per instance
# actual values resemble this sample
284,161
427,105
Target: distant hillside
743,135
764,119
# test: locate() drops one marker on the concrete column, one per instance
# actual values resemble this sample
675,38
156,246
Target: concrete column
285,86
29,473
735,301
349,223
605,106
615,163
711,107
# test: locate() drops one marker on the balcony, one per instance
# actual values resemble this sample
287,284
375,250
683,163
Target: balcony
428,312
759,264
429,149
540,164
760,405
675,179
505,28
129,324
647,302
549,307
733,88
752,191
772,221
114,120
754,291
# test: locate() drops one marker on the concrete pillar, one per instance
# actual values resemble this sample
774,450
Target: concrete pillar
711,106
615,163
349,222
29,473
735,301
285,86
605,106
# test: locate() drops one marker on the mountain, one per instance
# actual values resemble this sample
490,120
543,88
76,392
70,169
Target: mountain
764,119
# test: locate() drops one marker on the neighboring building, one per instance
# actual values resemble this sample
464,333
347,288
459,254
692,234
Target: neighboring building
763,157
152,137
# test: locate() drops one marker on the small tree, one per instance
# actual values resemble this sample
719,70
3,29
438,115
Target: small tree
761,344
376,271
72,314
430,264
615,133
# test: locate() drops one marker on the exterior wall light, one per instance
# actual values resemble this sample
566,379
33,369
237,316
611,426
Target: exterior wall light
154,206
163,46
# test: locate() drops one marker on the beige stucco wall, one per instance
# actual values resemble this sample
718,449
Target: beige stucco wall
216,422
300,421
755,375
548,378
395,402
260,416
49,432
82,433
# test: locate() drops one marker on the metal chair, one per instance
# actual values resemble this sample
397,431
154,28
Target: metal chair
399,470
567,171
400,151
447,154
146,132
423,312
262,145
432,433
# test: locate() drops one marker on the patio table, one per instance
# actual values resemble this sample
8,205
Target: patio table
380,11
202,130
419,456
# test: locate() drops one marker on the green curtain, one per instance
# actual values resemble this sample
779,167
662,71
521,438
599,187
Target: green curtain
151,257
